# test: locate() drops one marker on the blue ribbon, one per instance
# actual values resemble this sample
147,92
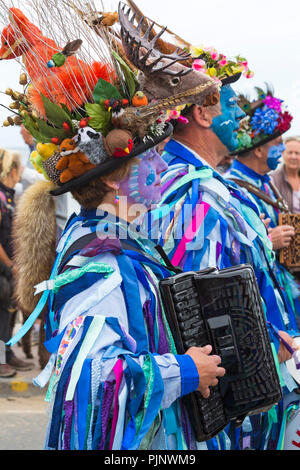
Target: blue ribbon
83,386
132,298
59,397
30,320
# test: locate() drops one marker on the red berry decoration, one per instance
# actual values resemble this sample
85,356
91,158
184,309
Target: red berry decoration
66,127
83,122
55,140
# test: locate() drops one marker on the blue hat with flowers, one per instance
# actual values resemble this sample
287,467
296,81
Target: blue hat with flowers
266,119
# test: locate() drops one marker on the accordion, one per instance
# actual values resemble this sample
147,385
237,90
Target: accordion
290,256
224,309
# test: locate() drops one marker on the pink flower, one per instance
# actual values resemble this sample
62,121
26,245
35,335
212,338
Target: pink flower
223,62
174,114
245,64
199,65
183,119
214,55
249,74
273,103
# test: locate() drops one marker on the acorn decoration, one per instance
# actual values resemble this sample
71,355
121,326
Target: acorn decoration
19,105
8,122
23,79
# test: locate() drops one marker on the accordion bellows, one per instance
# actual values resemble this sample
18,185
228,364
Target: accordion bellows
224,309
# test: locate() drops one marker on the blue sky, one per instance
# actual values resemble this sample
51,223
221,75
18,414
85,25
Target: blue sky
265,32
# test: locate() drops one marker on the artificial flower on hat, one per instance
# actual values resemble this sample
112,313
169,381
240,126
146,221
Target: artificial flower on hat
218,66
222,69
267,118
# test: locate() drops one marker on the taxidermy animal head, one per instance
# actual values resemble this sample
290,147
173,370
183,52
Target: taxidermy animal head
163,76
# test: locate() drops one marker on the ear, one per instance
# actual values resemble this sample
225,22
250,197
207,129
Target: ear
16,16
202,116
113,185
259,152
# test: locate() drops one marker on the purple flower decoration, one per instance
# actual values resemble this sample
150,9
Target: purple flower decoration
264,120
273,103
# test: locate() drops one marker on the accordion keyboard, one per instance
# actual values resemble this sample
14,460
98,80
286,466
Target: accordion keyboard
224,309
194,333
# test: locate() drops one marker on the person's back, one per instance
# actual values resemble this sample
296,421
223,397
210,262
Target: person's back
204,220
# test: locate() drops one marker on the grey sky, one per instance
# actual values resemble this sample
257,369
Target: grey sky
265,32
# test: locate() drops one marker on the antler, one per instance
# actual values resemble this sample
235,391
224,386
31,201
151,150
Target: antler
162,45
134,42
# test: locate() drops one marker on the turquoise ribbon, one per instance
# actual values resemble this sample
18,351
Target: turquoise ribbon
30,320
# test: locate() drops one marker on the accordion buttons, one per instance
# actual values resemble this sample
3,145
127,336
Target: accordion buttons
225,341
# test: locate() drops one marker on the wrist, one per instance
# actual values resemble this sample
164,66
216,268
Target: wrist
189,374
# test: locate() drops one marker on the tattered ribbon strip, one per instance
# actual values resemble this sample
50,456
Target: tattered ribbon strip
295,354
198,219
88,342
71,276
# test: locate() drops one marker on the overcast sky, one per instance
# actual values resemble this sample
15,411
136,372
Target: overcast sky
265,32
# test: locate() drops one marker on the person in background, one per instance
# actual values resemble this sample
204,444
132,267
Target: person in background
287,177
230,232
10,174
259,153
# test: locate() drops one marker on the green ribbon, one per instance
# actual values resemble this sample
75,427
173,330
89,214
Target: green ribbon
73,275
205,173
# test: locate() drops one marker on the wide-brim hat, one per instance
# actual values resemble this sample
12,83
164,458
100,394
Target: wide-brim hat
113,163
231,79
267,118
89,118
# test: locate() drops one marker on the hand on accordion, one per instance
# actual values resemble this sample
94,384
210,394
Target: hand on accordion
281,236
283,353
208,368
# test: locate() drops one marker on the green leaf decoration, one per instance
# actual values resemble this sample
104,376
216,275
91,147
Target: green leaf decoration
105,90
31,126
66,109
55,114
130,78
100,117
50,132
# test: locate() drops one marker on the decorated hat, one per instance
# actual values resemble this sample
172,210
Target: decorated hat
87,118
267,118
223,70
218,66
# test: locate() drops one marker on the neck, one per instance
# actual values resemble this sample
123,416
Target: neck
125,209
252,163
292,173
8,182
206,144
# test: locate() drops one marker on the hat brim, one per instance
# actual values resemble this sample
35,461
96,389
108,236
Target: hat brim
264,141
232,79
113,163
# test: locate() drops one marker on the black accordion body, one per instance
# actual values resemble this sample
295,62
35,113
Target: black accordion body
224,309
